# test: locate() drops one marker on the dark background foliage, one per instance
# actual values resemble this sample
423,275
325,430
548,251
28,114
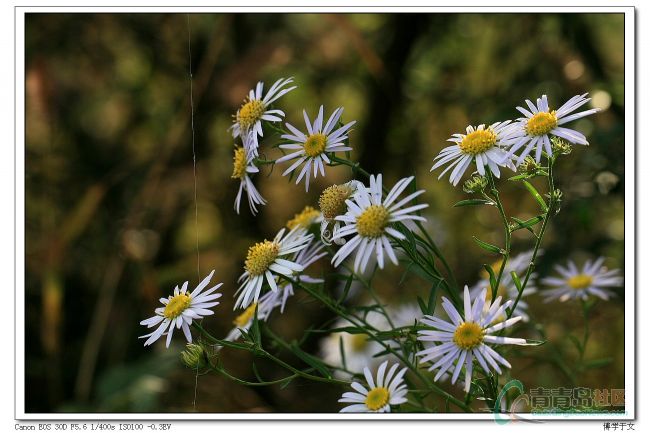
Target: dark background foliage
110,186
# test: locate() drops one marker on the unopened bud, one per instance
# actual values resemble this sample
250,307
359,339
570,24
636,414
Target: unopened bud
476,183
561,146
194,356
529,166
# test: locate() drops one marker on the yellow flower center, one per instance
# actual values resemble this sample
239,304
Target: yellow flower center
358,342
332,200
249,113
260,256
372,221
176,305
239,163
579,282
541,123
304,218
468,335
478,141
315,144
377,398
245,317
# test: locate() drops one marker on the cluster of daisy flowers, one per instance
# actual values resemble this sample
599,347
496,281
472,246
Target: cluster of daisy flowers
248,127
494,146
309,149
359,226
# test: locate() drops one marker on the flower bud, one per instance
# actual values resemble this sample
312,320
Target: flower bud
529,166
194,356
476,183
561,146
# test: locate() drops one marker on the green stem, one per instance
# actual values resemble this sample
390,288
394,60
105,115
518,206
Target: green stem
585,335
265,354
434,248
506,232
260,161
245,382
362,324
279,340
538,241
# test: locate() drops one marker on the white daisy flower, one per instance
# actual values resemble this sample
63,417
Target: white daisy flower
312,148
388,390
579,284
369,218
243,167
353,352
180,309
541,121
332,204
464,339
507,288
271,300
267,259
481,145
256,108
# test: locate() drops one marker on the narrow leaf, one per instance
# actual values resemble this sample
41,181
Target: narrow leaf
487,246
530,342
598,363
474,202
531,189
311,360
493,278
528,223
423,307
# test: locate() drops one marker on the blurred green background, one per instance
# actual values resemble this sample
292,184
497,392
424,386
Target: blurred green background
110,186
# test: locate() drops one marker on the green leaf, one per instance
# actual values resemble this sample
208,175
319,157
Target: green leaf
348,330
387,335
530,342
474,202
286,382
409,236
487,246
423,307
520,177
432,297
528,223
531,189
311,360
257,373
598,363
493,278
254,330
346,289
577,343
515,279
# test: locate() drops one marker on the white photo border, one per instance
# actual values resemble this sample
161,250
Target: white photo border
335,7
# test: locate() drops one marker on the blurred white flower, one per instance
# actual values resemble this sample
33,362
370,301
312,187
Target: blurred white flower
579,284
